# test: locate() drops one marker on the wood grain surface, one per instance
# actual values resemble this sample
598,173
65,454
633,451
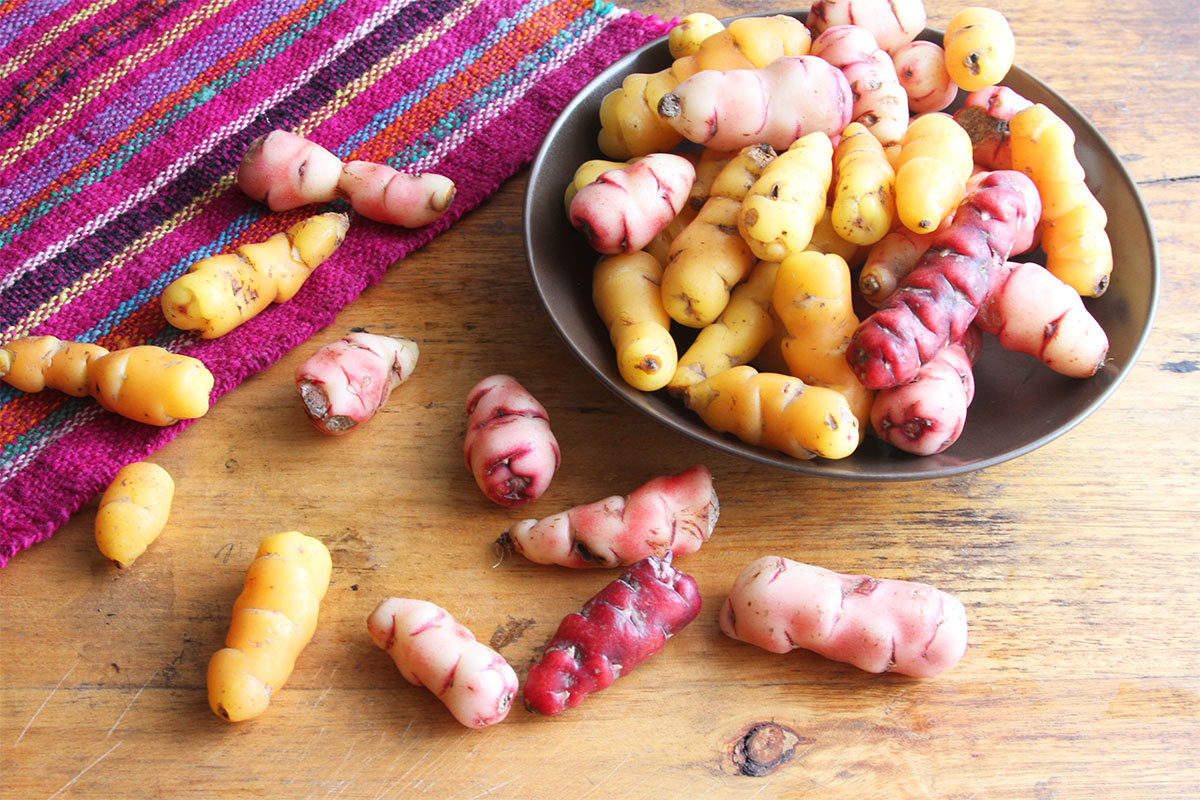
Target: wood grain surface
1079,563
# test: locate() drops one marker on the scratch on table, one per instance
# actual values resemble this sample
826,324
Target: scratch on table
486,792
84,771
47,700
321,698
417,763
603,781
130,704
765,785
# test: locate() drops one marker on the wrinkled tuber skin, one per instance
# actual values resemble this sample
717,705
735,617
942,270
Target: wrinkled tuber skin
671,514
431,649
984,116
926,415
628,621
1032,311
936,302
892,22
509,446
880,102
344,383
876,625
624,209
790,98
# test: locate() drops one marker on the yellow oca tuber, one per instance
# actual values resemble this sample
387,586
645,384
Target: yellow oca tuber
1078,250
813,298
144,383
734,338
786,203
936,159
221,292
627,293
980,48
709,257
274,618
776,411
133,511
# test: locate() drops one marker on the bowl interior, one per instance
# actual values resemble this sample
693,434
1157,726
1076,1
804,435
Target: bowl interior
1019,405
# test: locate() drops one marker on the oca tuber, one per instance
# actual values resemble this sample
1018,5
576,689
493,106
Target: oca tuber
344,383
221,292
876,625
671,514
143,383
287,171
628,621
274,618
509,446
625,208
133,511
431,649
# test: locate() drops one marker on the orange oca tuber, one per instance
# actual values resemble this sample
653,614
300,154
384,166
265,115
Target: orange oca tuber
1074,238
287,171
133,511
274,618
143,383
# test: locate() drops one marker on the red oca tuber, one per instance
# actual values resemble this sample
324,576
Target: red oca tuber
628,621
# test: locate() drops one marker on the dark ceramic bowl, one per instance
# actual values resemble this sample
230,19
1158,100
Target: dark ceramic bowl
1019,405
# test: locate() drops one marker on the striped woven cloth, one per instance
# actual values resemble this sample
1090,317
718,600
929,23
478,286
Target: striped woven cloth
121,124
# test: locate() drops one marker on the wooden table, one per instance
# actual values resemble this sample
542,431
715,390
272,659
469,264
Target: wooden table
1079,564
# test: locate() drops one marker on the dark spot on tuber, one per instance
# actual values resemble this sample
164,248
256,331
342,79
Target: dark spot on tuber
763,748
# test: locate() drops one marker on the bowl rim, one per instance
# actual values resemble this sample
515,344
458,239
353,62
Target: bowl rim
829,468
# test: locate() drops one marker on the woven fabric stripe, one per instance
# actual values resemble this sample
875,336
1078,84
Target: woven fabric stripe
142,124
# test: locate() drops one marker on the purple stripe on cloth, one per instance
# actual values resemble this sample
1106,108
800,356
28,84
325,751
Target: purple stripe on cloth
29,19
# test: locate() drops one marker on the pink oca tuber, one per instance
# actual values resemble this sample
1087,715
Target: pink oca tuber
509,446
671,514
876,625
789,98
345,382
927,415
892,22
625,208
431,649
880,101
628,621
936,302
1032,311
287,171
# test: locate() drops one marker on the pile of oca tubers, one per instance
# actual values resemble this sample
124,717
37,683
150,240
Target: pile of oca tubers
766,140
